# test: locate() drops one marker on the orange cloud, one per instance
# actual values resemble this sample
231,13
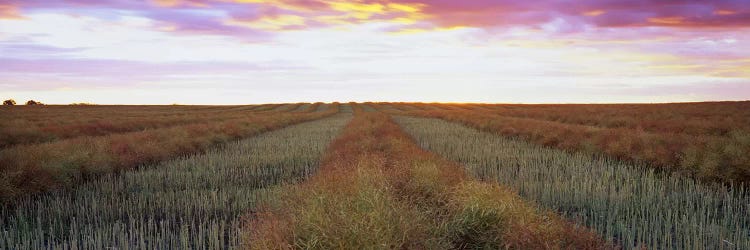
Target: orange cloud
294,5
339,12
271,23
673,20
594,13
229,16
176,3
724,12
166,3
8,11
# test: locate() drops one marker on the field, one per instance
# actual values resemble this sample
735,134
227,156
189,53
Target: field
376,176
707,141
620,200
31,168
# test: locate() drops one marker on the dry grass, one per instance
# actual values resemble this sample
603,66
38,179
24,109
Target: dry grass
192,202
32,169
630,204
711,118
50,123
377,189
721,157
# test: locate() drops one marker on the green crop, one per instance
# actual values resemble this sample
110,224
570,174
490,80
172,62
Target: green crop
631,205
190,202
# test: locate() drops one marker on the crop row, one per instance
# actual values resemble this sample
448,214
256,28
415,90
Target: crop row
52,112
69,124
37,168
59,113
709,158
25,132
699,119
716,119
632,204
193,202
377,189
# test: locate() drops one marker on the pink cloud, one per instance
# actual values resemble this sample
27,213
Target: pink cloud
477,13
120,67
41,74
647,26
8,11
608,13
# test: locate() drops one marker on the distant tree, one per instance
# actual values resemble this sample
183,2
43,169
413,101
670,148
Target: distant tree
32,102
9,102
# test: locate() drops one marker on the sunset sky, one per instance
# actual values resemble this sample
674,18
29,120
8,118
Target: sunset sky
256,51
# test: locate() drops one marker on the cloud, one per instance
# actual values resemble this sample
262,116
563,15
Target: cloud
123,67
391,42
44,74
602,13
714,90
202,22
248,18
191,17
26,49
8,11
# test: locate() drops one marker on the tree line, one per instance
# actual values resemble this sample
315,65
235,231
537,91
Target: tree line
11,102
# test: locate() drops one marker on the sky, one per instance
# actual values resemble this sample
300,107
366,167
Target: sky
280,51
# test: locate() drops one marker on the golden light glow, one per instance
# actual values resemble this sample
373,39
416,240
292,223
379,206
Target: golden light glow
594,13
724,12
339,12
280,22
358,10
166,3
405,8
407,31
174,3
9,12
667,20
332,19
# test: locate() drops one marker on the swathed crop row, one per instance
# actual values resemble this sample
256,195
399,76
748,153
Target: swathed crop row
302,107
20,131
710,158
32,169
323,106
193,202
699,119
368,107
377,189
711,118
633,205
267,107
55,112
313,107
286,107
